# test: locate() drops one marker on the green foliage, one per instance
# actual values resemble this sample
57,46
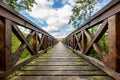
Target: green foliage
94,54
103,42
15,45
82,11
21,5
25,54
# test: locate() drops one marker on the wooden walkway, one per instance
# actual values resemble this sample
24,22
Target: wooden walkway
59,63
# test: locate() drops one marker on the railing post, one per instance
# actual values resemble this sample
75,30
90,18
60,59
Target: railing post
45,43
34,43
5,44
114,42
52,42
84,42
73,42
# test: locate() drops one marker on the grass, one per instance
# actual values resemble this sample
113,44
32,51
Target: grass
15,45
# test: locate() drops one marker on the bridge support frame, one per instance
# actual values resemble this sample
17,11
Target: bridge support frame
114,42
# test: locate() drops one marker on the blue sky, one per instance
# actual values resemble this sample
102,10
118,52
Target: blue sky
53,16
57,4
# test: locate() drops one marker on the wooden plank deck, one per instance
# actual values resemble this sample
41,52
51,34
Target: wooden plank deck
59,63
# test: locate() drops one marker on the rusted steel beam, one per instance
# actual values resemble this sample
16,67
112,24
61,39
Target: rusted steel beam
114,42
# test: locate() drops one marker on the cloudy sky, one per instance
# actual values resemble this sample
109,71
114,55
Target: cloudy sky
53,16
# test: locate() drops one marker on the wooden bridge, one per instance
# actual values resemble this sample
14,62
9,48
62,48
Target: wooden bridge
66,60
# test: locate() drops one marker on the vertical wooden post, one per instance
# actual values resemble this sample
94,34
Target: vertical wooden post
114,42
84,42
66,41
5,44
70,42
34,42
2,58
49,42
52,42
45,43
73,42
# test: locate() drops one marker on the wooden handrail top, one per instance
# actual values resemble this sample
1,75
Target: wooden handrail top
110,9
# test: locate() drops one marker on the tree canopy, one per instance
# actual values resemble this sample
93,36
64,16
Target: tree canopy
82,11
20,4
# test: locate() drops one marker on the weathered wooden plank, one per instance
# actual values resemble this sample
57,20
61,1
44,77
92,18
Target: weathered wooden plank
55,68
36,63
62,77
114,42
58,73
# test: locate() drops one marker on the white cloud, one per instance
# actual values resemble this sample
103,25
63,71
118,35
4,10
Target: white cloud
55,18
50,29
42,9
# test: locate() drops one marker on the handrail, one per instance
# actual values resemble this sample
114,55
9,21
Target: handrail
102,14
11,14
109,18
10,20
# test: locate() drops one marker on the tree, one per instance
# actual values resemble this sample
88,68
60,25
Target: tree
82,11
20,4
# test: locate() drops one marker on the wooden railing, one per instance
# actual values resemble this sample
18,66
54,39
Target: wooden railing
10,21
82,41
